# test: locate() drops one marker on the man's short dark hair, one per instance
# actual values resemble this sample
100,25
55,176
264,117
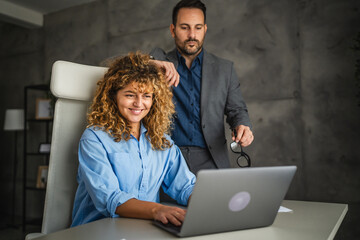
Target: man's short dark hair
188,4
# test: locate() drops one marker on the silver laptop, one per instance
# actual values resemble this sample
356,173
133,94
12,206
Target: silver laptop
234,199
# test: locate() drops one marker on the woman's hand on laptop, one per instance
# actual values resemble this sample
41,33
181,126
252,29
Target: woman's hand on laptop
150,210
166,214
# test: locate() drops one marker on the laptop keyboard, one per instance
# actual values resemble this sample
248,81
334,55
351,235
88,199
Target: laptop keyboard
172,227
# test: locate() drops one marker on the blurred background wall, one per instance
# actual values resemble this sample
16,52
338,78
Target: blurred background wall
294,59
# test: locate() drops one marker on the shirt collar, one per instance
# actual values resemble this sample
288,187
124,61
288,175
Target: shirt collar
142,128
199,58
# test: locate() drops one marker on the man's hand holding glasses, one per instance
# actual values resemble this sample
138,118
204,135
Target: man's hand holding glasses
242,136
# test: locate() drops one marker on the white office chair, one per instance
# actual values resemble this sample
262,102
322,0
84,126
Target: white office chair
74,86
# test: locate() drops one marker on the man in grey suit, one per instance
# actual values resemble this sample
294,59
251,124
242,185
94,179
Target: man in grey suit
205,88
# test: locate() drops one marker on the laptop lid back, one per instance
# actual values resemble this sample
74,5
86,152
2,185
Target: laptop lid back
233,199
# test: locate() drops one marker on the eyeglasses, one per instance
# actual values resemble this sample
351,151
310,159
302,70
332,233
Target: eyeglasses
243,160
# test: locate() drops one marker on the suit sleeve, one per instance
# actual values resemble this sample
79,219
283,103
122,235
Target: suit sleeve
158,54
235,110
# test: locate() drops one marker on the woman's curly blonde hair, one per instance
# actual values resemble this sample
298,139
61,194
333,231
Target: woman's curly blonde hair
104,113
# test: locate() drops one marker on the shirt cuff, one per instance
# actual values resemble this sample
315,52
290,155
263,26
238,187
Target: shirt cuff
185,195
118,199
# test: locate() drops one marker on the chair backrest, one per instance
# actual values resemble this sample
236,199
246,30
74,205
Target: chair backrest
74,86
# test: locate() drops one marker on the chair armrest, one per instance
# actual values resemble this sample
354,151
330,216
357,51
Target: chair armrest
33,235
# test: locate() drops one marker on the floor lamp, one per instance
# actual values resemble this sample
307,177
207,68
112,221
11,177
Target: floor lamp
14,121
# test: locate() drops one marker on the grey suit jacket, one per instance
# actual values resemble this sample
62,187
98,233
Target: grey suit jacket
220,95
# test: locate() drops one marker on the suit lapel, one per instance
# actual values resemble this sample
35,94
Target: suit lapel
208,73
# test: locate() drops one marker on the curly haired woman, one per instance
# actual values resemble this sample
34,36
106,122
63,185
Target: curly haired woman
125,154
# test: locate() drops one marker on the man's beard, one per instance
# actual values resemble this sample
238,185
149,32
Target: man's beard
184,49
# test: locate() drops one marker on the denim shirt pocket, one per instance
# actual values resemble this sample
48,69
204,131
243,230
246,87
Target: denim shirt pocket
127,168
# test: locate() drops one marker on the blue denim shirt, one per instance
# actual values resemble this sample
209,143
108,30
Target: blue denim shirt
110,173
187,97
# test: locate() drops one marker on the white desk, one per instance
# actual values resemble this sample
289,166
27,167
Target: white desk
309,220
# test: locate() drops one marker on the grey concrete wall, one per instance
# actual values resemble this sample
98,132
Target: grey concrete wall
329,110
78,34
294,62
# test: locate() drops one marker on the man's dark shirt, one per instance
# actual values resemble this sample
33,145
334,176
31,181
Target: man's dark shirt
187,94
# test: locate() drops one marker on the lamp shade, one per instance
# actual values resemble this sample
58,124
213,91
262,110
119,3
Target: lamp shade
14,119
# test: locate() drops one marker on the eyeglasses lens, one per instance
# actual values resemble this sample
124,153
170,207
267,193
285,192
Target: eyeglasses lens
243,161
236,147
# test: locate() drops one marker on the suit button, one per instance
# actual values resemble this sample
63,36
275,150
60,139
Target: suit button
203,125
209,147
